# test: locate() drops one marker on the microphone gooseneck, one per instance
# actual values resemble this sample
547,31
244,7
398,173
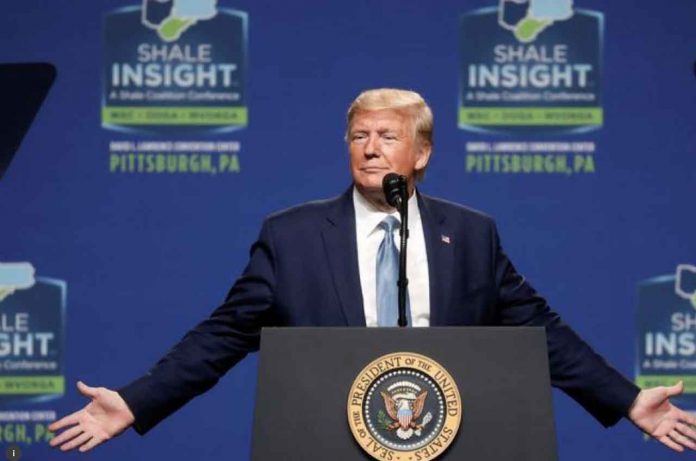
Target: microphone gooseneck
395,189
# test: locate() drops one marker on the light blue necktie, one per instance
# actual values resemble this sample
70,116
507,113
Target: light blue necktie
388,277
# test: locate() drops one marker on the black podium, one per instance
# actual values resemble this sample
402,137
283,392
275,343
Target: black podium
309,376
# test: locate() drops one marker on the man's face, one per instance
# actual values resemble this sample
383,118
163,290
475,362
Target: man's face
380,142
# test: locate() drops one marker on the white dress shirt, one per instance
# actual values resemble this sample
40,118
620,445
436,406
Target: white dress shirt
369,236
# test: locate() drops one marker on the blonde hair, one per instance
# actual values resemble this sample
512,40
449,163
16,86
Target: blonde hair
407,102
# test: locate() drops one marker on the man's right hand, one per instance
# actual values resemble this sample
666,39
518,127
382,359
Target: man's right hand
106,416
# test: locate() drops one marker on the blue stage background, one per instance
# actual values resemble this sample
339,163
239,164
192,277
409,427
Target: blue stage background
145,256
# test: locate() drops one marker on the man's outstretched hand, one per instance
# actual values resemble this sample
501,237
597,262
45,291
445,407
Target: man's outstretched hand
653,413
106,416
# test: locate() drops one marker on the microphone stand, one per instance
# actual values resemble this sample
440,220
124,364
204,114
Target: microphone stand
403,234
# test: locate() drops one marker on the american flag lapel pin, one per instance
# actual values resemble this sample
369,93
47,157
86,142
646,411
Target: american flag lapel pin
445,239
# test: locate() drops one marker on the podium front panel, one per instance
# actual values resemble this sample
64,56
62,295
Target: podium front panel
306,374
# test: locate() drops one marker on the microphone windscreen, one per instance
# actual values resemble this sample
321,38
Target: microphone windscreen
390,186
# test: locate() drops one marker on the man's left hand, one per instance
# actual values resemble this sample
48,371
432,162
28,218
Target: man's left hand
655,415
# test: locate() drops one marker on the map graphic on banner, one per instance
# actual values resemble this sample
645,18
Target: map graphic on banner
528,18
174,65
666,335
171,19
32,329
531,66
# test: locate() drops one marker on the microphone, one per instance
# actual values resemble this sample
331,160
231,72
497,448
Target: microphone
393,186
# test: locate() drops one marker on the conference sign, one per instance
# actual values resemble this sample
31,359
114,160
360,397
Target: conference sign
666,335
32,328
173,66
531,66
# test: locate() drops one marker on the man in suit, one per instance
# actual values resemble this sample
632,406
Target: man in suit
330,263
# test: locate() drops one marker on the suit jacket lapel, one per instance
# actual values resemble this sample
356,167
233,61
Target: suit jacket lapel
439,246
342,253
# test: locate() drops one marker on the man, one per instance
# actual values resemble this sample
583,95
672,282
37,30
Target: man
323,263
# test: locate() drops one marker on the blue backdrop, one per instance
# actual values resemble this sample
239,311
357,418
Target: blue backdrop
145,256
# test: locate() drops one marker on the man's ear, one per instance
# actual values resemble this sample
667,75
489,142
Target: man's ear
423,152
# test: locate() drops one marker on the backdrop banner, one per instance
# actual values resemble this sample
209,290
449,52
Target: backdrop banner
175,126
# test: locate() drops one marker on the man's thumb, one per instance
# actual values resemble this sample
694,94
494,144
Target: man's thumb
676,389
86,390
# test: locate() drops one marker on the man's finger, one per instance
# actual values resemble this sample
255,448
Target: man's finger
684,417
91,444
86,390
66,435
686,430
680,439
77,441
65,421
671,443
688,418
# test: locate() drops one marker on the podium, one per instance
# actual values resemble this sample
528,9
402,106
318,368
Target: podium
404,394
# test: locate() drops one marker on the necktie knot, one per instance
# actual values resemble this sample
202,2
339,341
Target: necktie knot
389,224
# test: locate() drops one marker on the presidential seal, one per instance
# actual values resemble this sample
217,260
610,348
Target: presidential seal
404,407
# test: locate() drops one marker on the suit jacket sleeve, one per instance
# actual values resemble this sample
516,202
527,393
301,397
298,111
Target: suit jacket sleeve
206,352
575,368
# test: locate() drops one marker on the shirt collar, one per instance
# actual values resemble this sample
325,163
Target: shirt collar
367,217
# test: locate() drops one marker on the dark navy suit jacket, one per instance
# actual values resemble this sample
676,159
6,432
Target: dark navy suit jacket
303,271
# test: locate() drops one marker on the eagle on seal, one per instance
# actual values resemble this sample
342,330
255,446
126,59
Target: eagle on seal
404,413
